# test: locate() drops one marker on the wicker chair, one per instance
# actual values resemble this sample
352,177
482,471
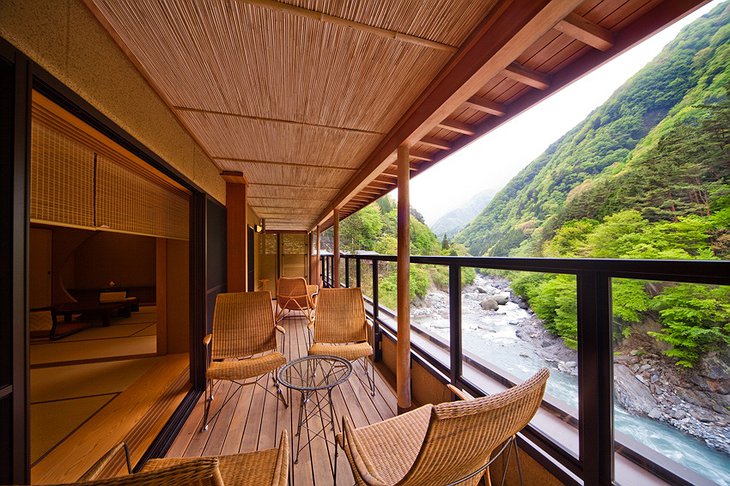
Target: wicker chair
293,294
341,329
242,345
448,443
269,467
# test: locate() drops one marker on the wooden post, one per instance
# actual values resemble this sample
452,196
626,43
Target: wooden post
403,367
336,251
161,294
318,266
237,237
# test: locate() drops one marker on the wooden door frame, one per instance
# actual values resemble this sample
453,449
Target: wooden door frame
15,460
14,211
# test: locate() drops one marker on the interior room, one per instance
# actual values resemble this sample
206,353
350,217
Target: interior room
108,281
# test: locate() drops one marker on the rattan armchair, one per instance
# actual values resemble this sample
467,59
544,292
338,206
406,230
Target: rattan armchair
450,443
268,467
242,345
294,294
341,329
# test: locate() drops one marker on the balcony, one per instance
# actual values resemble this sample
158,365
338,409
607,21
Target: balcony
234,133
561,431
254,419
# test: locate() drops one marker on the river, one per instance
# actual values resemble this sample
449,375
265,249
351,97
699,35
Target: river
493,336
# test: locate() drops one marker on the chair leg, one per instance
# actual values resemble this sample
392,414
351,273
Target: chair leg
278,390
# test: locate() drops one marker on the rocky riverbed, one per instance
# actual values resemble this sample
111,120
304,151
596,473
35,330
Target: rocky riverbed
647,383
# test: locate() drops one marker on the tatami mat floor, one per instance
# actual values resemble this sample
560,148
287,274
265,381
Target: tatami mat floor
64,396
125,336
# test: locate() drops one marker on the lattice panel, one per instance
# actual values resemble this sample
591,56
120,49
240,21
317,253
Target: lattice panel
127,201
294,244
61,178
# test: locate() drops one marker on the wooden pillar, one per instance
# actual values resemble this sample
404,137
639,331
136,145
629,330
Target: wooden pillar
318,266
336,250
237,238
403,366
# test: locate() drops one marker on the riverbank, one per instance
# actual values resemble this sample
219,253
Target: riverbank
647,383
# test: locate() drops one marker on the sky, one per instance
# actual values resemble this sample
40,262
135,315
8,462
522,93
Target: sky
492,160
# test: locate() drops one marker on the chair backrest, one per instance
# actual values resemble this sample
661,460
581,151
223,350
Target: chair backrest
243,324
202,471
292,292
461,435
340,316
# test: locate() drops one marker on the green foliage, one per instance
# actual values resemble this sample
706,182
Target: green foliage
361,230
695,319
554,301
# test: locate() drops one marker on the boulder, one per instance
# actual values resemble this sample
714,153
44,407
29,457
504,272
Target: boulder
632,394
489,304
502,298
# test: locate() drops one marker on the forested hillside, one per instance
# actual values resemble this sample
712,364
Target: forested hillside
646,175
657,124
375,228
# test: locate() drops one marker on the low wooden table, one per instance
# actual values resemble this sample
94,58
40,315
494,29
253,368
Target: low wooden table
105,311
68,309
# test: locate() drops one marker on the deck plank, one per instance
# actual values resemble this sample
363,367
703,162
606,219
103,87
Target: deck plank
254,419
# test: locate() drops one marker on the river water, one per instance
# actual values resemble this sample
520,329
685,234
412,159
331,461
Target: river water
492,336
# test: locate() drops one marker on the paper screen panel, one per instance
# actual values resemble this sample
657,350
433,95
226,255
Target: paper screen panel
61,178
129,202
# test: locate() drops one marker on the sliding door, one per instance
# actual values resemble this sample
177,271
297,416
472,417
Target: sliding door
14,92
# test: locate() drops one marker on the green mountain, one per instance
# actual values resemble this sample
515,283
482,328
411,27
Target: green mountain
646,175
455,220
656,146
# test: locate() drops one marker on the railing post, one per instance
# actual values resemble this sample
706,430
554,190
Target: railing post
377,336
347,271
595,377
455,322
358,272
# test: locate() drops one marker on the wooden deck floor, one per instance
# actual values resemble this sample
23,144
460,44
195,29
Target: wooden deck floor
253,419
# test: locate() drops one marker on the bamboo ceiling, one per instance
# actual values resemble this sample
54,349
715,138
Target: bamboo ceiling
309,98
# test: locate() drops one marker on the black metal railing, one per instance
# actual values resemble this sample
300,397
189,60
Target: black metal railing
597,441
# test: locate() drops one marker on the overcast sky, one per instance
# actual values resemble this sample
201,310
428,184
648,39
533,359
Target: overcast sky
491,161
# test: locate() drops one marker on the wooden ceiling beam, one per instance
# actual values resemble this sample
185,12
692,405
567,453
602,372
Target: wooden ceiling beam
586,31
275,120
418,155
526,76
435,143
233,176
285,164
379,31
486,106
456,126
296,186
510,27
